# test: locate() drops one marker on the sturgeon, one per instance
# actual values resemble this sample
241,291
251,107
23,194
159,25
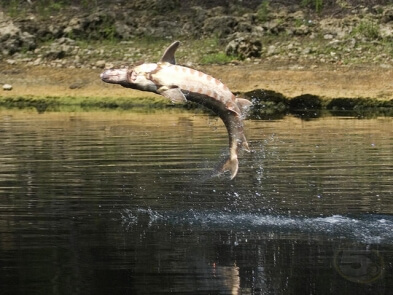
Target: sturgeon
181,84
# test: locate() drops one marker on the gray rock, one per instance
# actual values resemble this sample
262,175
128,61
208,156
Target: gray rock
55,53
244,47
306,51
193,26
386,30
7,87
302,30
96,26
64,40
12,38
59,49
123,30
339,28
75,27
166,29
10,61
100,64
37,61
220,26
245,27
158,6
274,26
271,50
387,15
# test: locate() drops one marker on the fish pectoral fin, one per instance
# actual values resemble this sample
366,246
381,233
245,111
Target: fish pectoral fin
234,108
174,94
244,105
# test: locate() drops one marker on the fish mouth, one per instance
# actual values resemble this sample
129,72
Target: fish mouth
114,76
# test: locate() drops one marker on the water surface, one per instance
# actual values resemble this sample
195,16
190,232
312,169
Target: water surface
122,203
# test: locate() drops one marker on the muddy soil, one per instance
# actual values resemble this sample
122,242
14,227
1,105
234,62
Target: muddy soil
324,80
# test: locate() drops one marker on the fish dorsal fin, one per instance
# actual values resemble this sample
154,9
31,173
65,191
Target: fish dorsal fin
169,54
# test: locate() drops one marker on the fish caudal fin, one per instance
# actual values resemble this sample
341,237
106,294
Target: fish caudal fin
230,165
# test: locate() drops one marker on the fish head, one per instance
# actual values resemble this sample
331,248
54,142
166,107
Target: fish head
115,76
134,77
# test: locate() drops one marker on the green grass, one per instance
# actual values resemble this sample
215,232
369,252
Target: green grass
203,51
43,8
316,4
66,103
216,58
367,29
263,11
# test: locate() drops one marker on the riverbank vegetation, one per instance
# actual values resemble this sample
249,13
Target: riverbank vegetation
249,41
69,33
266,105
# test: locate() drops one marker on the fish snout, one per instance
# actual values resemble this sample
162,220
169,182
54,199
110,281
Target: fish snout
114,76
104,76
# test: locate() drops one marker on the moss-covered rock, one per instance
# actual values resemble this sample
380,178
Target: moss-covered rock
267,103
305,102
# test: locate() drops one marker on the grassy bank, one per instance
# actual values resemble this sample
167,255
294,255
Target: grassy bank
67,103
270,104
266,105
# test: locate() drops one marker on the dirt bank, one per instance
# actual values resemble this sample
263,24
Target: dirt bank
343,51
325,80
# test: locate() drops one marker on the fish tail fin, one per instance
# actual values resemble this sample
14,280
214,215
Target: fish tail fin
229,164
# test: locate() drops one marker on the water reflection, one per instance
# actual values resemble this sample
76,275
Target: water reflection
118,202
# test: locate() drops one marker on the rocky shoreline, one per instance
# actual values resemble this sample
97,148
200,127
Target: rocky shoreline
74,38
290,50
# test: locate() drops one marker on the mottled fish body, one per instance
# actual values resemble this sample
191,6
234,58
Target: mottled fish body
179,84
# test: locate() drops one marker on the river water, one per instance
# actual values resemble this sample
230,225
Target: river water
122,203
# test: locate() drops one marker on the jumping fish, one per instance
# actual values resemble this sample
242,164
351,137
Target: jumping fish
179,84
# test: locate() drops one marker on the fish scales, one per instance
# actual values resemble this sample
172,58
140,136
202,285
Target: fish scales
194,81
